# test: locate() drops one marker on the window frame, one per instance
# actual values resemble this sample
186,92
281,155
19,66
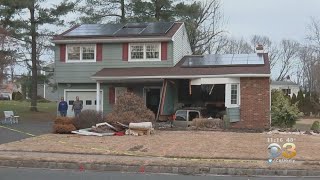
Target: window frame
237,104
144,59
81,53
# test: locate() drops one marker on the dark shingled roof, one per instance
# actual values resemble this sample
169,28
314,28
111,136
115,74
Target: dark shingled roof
178,70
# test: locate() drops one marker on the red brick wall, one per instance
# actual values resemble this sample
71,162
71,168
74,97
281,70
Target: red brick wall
254,103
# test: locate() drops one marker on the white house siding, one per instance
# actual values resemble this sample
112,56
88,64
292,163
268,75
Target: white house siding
294,88
181,45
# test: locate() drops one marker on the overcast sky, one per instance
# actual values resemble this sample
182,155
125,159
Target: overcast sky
277,19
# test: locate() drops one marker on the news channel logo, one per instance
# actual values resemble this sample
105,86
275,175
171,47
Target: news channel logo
288,151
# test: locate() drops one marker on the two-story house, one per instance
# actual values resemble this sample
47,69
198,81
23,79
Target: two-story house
97,62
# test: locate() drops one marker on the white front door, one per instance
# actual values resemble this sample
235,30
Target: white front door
88,99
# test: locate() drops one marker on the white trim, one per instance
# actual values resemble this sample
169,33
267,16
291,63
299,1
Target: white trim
144,53
81,60
200,81
83,90
112,40
178,77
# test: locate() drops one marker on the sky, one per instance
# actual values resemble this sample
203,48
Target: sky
277,19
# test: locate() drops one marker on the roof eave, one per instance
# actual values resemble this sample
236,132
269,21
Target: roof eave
97,40
177,76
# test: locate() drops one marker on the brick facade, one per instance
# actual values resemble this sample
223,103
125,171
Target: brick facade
254,103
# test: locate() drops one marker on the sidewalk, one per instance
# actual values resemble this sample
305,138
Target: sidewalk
164,152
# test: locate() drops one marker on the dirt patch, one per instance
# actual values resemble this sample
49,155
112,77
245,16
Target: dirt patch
190,144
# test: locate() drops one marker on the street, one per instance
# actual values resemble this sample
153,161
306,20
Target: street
48,174
22,128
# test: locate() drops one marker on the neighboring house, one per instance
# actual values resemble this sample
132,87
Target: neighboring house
288,87
99,62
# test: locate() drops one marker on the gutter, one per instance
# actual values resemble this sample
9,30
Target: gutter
177,77
92,40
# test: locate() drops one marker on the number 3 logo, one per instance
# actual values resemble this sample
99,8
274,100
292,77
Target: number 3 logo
289,150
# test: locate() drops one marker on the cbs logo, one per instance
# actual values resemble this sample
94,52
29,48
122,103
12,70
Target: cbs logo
288,150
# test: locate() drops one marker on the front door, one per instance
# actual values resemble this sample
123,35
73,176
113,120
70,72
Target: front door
152,99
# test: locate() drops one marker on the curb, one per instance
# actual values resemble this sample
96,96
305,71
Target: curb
186,170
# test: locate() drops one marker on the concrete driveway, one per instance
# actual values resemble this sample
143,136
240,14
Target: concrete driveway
24,129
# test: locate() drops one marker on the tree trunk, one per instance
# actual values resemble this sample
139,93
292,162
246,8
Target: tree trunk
157,10
123,12
34,60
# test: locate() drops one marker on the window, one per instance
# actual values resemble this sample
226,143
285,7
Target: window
88,102
145,52
181,115
286,91
81,53
152,51
71,102
234,94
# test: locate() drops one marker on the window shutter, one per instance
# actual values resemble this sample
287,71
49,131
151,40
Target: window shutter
164,51
62,53
111,95
125,49
99,52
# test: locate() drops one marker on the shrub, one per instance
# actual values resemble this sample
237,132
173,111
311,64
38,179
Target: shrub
283,113
315,126
207,123
17,96
63,120
88,118
63,128
130,108
63,125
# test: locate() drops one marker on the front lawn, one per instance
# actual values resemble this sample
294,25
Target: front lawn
22,109
304,124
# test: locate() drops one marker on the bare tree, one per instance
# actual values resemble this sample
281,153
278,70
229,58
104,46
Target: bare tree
204,22
235,46
288,52
314,34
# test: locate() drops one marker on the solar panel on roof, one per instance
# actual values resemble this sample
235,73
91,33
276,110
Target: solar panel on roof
95,30
129,31
157,28
121,29
224,60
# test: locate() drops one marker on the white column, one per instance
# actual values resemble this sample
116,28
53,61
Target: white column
98,96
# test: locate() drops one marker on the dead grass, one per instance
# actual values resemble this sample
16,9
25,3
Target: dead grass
196,144
304,124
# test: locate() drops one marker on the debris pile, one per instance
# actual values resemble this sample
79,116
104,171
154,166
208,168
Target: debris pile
117,129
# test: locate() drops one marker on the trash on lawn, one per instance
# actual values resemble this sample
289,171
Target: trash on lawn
139,129
106,129
87,132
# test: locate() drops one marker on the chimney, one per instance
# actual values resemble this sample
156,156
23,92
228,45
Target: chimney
259,49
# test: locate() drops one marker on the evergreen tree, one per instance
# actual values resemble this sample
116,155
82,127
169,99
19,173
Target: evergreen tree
307,107
293,99
300,100
29,29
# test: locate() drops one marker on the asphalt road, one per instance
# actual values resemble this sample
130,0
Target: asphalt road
30,126
47,174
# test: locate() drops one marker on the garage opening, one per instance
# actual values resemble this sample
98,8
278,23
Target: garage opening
210,98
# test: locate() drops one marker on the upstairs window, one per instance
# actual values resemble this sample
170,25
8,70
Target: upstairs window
81,53
144,52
